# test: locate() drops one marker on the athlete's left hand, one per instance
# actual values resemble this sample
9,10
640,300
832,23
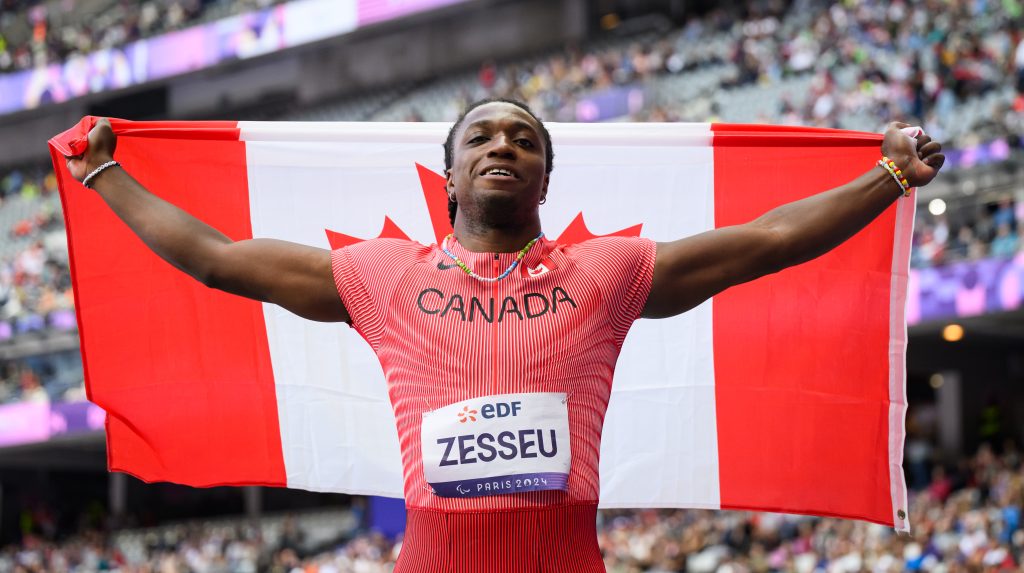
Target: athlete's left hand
919,158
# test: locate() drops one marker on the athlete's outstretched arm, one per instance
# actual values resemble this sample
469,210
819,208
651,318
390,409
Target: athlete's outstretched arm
689,271
296,277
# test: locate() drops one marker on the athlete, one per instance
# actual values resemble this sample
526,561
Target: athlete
498,345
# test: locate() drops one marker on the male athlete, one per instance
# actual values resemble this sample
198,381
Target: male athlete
517,490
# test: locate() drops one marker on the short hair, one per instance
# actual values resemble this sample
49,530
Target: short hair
449,143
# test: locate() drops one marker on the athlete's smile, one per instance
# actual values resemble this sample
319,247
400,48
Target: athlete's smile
499,172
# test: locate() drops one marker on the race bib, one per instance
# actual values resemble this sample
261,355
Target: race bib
497,444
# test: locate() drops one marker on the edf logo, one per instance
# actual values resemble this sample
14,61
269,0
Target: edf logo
489,411
501,409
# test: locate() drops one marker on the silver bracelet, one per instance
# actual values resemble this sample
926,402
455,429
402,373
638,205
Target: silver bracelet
97,171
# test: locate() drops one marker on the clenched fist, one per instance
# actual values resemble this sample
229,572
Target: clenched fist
102,143
919,157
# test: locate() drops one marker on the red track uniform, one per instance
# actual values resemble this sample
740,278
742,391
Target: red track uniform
443,337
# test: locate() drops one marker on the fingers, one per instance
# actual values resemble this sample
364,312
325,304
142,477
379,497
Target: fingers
75,165
929,148
101,125
922,141
935,161
102,139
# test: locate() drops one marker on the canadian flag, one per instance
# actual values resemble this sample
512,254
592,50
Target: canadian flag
784,394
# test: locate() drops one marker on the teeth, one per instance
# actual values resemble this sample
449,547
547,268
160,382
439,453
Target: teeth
497,171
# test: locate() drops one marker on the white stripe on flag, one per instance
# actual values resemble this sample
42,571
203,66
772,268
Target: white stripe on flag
898,361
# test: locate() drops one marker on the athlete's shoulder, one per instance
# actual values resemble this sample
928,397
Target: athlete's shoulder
367,273
608,245
613,259
392,250
623,269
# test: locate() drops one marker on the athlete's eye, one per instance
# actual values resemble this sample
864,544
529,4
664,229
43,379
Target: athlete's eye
524,142
476,139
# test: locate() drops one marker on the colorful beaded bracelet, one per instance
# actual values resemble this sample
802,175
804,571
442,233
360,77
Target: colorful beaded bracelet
890,166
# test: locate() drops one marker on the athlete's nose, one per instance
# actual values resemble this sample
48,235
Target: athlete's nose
501,146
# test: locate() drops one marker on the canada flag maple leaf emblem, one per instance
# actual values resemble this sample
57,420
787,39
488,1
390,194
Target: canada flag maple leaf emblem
433,185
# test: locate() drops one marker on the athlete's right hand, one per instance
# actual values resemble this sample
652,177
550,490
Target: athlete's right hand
919,157
102,143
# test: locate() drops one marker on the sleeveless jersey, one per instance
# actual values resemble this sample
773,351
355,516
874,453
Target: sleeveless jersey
555,324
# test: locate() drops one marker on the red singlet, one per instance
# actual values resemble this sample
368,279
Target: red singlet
443,337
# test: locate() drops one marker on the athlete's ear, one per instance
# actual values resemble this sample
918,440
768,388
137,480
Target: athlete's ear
544,189
449,182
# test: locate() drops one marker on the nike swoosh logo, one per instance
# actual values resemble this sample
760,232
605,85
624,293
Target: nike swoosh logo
443,267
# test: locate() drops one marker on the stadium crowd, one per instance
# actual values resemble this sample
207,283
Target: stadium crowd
916,61
36,33
868,61
965,517
35,282
34,279
979,231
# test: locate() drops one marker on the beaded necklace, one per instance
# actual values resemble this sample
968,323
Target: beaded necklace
469,271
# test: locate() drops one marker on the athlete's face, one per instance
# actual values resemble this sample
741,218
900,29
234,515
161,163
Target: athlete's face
499,162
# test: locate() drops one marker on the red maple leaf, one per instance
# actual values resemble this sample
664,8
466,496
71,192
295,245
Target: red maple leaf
577,232
434,193
390,231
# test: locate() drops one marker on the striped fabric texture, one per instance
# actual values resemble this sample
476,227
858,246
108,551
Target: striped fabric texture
444,337
559,539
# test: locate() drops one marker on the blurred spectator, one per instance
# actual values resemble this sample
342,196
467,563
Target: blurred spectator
49,377
1004,214
978,231
31,389
1006,242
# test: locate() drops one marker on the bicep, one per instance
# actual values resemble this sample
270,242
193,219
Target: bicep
689,271
296,277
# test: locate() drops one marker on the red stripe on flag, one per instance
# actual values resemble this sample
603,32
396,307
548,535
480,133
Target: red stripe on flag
809,418
191,365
